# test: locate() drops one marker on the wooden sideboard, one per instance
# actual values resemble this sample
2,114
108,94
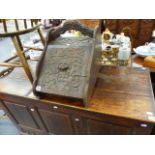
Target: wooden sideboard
122,103
138,61
141,29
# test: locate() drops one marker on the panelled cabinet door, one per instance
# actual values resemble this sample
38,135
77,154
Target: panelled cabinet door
22,115
95,127
57,122
79,126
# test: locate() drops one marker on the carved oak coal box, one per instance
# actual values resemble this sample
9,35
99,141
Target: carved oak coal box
69,65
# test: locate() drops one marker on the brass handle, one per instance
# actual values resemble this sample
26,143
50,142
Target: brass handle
55,107
32,109
77,119
143,125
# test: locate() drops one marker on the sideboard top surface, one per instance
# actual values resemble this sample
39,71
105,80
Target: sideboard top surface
123,92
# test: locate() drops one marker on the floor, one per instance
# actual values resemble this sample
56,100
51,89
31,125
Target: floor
7,50
6,126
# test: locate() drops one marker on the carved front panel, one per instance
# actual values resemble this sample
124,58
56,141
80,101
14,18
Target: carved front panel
64,70
74,41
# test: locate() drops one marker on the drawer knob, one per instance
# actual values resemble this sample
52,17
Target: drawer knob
32,109
55,107
143,125
77,119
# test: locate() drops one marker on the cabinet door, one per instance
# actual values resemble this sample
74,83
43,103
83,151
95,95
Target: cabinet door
22,116
95,127
57,122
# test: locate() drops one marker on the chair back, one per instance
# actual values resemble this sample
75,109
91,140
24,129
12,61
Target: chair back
14,27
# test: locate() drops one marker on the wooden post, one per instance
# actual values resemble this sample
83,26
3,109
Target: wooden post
25,24
16,24
4,25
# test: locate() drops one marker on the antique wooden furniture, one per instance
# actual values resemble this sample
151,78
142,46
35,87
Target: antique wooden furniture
141,29
15,36
68,66
122,103
138,61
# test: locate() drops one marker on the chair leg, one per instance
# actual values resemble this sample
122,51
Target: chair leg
22,58
41,36
19,43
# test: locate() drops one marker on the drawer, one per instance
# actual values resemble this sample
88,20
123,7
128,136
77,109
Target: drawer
52,107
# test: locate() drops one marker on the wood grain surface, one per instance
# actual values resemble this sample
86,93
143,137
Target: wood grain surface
122,92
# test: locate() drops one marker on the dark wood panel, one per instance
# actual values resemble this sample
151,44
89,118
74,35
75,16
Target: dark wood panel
21,114
101,128
145,33
128,22
79,125
141,29
143,130
147,23
57,123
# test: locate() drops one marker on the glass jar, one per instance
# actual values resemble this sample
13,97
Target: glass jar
123,56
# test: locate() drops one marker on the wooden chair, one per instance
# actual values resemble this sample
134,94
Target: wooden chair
29,26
